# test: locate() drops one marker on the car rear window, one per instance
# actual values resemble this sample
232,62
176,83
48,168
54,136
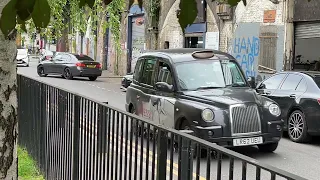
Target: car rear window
317,80
84,58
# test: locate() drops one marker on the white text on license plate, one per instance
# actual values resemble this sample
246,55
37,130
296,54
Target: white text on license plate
247,141
91,66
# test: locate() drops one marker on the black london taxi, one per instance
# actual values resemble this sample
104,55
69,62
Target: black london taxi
204,91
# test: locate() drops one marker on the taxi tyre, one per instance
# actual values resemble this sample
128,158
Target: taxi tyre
203,152
304,137
67,74
268,148
133,127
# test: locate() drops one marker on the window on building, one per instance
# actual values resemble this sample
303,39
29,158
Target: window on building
268,48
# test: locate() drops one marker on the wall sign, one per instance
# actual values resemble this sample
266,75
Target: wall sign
212,40
269,16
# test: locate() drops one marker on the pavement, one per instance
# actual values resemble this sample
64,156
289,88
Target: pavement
300,159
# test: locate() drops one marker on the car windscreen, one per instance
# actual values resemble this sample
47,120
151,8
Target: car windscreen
83,58
317,80
194,75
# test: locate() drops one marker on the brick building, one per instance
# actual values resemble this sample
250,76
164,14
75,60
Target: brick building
254,34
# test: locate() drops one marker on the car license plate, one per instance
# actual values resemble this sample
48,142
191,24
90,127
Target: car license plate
247,141
91,66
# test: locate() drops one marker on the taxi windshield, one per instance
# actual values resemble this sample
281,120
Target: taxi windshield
209,74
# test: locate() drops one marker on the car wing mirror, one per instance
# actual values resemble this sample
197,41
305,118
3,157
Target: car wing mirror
252,81
163,86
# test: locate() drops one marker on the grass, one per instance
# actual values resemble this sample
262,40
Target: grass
27,168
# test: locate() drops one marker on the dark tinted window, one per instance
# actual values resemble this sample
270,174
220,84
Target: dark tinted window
291,82
164,74
83,58
137,70
274,81
302,86
317,80
147,76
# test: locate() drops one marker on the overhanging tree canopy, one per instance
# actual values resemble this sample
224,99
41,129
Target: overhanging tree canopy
40,12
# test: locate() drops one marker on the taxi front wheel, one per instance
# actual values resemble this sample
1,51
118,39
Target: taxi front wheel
268,147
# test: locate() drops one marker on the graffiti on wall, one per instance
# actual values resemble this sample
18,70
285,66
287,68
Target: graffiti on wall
246,50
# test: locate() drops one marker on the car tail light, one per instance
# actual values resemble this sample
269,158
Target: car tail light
319,101
80,65
98,66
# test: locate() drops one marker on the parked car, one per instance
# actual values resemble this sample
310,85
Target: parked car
204,91
298,94
70,65
126,81
23,57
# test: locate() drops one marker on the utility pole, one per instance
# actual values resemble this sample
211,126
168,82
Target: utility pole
289,35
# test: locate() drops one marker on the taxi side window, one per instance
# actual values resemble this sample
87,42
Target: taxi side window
147,76
137,70
164,74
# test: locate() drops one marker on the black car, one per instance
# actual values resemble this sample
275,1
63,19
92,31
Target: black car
204,91
298,95
70,65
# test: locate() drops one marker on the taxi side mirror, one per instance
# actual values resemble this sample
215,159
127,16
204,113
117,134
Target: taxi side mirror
164,87
252,81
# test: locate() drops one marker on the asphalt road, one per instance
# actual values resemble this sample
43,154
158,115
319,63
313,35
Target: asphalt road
300,159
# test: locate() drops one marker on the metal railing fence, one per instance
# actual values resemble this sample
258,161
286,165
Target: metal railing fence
72,137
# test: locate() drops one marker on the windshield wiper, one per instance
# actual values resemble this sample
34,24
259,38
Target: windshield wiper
207,87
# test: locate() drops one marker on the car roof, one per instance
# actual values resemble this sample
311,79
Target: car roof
185,54
309,73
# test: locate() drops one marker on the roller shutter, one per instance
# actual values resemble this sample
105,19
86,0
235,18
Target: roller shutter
307,30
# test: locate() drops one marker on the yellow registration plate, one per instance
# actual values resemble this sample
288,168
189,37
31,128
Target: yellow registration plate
91,66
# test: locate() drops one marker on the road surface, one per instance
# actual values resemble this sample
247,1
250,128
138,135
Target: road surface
300,159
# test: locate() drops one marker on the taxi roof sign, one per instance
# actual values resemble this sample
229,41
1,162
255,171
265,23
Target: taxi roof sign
203,54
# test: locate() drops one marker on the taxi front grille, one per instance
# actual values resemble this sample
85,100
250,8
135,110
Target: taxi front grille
244,119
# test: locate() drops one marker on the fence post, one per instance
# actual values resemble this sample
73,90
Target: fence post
186,170
102,128
162,155
75,149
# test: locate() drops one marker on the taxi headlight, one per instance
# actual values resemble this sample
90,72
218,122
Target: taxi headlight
274,109
207,115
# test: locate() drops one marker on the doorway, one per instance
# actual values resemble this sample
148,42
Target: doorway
194,42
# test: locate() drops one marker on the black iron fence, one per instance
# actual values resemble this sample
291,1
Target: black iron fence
73,138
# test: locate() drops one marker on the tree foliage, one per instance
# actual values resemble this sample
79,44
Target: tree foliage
41,13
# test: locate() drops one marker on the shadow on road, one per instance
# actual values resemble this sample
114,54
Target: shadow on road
74,79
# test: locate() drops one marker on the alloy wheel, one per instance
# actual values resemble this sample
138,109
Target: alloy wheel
296,125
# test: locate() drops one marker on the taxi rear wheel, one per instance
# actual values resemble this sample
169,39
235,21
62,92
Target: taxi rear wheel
133,127
268,147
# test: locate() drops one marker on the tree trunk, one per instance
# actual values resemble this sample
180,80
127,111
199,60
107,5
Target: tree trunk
8,106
